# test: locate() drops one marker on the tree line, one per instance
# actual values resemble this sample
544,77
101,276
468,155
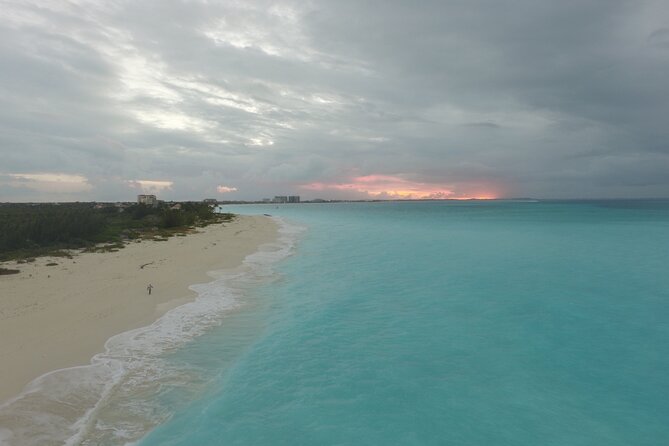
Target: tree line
76,225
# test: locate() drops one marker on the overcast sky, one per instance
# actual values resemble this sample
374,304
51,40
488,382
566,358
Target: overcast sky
103,100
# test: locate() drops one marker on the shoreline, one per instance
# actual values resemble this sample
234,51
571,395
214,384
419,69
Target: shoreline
60,316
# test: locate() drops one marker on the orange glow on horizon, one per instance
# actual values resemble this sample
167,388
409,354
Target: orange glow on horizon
477,197
395,187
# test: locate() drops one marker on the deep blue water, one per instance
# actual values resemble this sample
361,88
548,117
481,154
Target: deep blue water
445,323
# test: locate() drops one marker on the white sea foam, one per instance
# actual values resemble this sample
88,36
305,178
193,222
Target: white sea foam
109,401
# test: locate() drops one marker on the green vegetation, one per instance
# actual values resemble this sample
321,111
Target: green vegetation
30,230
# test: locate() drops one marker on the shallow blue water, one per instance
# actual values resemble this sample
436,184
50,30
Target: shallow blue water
446,323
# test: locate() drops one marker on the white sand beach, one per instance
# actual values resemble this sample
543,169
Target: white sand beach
59,316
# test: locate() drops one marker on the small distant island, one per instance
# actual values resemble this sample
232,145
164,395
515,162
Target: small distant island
29,230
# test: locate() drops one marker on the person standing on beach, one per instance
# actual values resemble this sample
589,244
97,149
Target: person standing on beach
149,288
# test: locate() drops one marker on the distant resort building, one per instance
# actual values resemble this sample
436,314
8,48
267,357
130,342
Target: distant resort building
210,201
149,200
285,199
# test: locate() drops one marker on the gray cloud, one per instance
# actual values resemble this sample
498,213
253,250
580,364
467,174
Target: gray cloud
520,98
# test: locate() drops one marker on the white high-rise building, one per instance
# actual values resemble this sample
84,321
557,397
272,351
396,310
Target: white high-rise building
149,200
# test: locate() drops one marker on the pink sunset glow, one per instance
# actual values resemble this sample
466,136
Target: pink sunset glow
389,186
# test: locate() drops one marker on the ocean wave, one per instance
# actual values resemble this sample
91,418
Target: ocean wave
112,400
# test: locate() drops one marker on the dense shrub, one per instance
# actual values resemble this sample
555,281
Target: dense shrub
72,225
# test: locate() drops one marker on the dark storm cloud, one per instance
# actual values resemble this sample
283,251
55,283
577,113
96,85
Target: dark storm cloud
328,98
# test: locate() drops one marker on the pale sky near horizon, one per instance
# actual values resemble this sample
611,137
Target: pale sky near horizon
193,99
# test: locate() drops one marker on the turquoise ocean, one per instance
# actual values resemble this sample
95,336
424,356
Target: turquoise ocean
446,323
470,323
